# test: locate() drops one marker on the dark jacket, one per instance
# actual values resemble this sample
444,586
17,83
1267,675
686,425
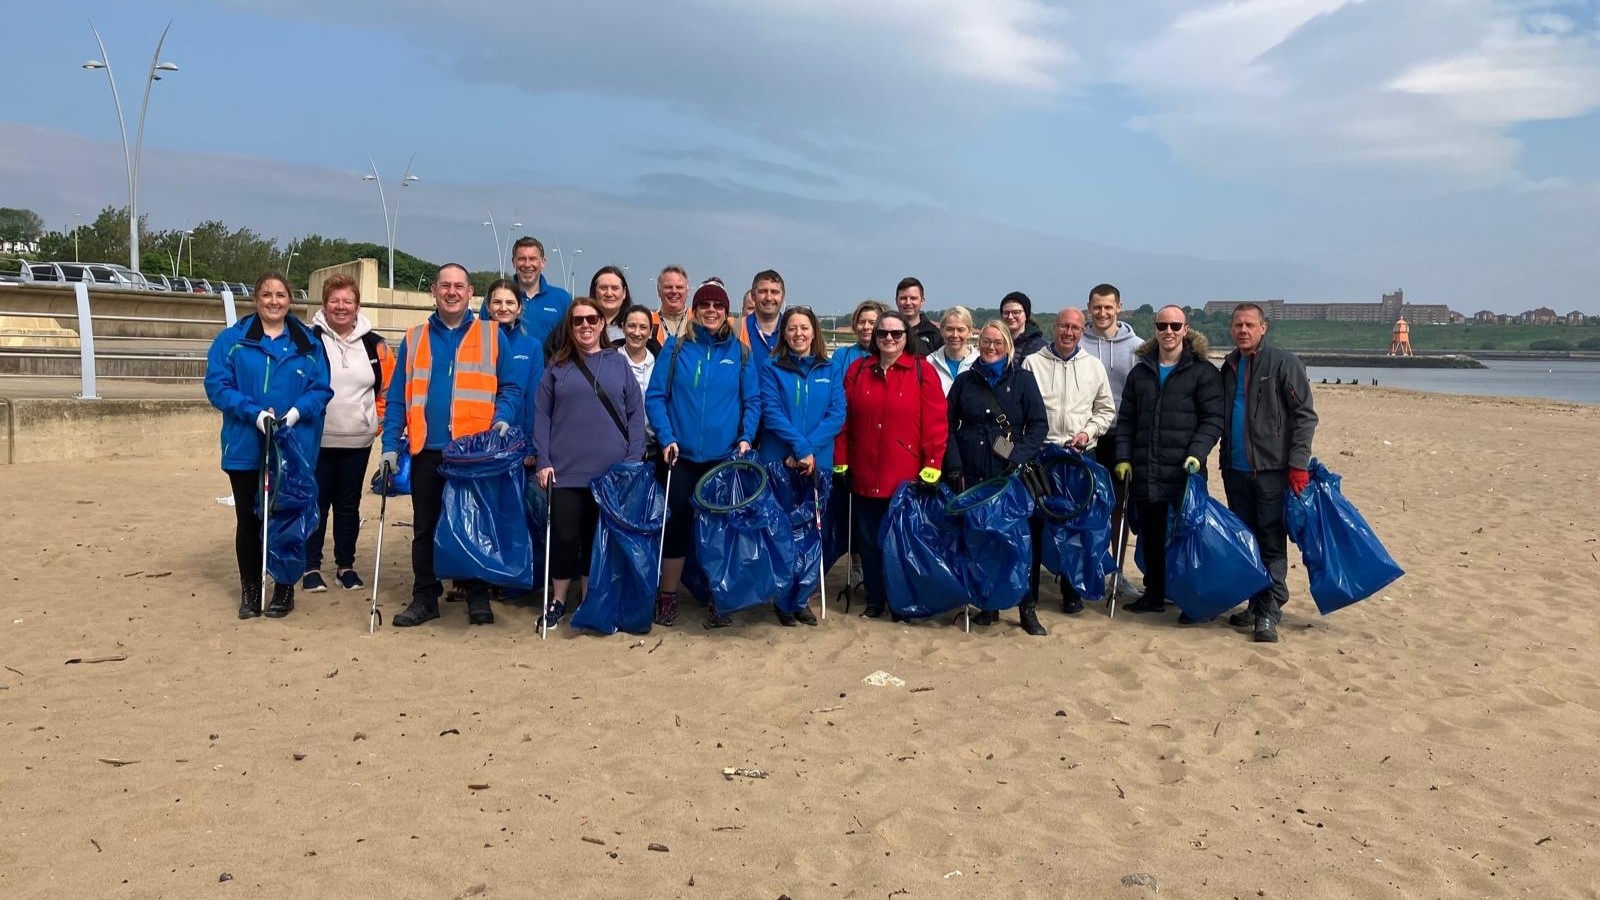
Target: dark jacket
1279,417
925,337
1030,341
1159,425
895,424
975,413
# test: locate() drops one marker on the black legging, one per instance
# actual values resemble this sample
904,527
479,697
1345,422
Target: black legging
868,515
680,511
246,525
341,475
573,517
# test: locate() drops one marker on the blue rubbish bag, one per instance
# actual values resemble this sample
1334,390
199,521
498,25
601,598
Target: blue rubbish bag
401,482
742,537
294,507
797,496
1344,559
483,523
921,548
996,548
1213,562
1077,520
622,569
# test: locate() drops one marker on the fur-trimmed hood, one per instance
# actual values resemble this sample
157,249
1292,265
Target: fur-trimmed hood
1197,343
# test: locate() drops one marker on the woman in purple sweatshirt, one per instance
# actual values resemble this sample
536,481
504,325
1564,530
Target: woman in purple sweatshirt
589,416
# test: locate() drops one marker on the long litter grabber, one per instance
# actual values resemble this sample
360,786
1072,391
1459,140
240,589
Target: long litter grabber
1122,547
661,545
544,619
375,618
266,505
822,550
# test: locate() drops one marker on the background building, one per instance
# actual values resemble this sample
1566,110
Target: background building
1390,308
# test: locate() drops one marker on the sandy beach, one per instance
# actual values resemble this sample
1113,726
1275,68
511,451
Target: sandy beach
1436,741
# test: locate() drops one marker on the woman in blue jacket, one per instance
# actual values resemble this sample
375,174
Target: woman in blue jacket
704,402
802,409
268,367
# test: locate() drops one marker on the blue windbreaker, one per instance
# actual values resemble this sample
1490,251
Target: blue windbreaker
802,409
246,373
541,312
441,385
528,357
715,401
844,356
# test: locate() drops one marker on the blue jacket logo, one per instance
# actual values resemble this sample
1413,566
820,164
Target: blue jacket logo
725,362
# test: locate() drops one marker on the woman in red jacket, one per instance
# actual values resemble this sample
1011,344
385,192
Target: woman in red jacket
894,432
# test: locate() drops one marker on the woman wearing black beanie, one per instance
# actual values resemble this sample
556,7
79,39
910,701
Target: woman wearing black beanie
1016,310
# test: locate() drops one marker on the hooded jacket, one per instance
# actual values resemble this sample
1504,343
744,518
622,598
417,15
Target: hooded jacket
1076,392
1116,353
1158,425
895,424
937,360
1279,417
359,368
1029,342
802,409
704,396
247,372
975,410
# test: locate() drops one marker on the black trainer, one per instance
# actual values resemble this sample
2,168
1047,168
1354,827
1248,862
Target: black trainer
249,600
986,617
1071,604
872,612
1265,632
1242,620
1147,604
558,611
478,610
418,612
282,601
805,616
313,583
349,580
787,619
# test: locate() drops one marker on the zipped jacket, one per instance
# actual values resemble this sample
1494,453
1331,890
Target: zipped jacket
1279,417
711,403
247,372
1158,425
981,413
802,409
895,424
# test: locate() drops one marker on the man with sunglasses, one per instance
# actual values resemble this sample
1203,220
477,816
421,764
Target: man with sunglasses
758,329
925,336
1169,419
1266,449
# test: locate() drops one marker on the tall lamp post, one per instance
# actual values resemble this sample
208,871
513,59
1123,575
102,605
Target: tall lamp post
76,217
391,224
131,157
287,262
499,250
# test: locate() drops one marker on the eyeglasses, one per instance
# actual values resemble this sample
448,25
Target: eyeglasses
991,343
1010,313
712,304
1169,326
894,334
589,319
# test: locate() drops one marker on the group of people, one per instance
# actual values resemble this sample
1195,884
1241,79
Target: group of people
600,379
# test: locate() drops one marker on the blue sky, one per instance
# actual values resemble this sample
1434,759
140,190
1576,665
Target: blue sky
1186,151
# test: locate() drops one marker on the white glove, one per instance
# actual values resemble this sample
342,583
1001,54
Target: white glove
262,419
389,462
289,418
500,428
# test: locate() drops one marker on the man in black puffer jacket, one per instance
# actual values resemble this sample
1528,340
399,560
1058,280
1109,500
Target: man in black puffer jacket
1170,417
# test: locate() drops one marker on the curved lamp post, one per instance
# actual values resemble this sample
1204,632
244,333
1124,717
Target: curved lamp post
499,250
131,158
391,224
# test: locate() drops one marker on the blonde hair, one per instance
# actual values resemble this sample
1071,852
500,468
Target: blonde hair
959,312
1005,335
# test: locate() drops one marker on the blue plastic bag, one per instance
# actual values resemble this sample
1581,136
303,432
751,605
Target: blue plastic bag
1077,520
294,508
921,546
742,537
622,569
797,495
996,547
483,523
1213,561
1345,561
401,482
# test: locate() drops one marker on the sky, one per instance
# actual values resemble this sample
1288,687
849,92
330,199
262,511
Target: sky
1311,150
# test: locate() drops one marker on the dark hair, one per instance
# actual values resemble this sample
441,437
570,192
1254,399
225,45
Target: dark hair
1106,290
338,281
452,265
885,316
910,282
766,275
627,295
566,335
509,285
1020,299
1248,305
527,240
271,275
819,347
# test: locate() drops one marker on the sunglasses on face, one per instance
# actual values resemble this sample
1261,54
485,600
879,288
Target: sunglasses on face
711,304
587,319
1169,326
893,334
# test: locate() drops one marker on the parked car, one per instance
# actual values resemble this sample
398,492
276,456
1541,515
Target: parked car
158,282
201,286
15,272
181,284
75,272
49,273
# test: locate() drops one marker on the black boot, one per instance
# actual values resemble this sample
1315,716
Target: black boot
478,610
282,601
1266,615
418,612
805,616
249,600
787,619
1029,610
1147,604
986,617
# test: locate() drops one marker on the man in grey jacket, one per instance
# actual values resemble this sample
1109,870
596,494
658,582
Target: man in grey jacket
1268,424
1113,342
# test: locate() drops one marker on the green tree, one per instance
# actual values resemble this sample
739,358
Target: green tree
20,224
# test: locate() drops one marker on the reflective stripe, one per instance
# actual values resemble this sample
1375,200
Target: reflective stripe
472,389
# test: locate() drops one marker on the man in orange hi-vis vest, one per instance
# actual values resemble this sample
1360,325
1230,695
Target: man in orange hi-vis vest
454,376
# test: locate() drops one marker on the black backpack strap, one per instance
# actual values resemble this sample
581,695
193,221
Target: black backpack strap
577,360
371,340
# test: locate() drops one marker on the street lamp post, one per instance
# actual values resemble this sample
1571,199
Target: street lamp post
76,217
287,262
391,224
499,250
131,158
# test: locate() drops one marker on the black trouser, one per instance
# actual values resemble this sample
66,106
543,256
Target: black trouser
1153,541
1105,453
680,512
427,498
1258,500
1036,535
341,473
573,517
868,525
246,524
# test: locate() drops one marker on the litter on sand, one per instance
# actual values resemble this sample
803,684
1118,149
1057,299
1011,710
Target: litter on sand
881,678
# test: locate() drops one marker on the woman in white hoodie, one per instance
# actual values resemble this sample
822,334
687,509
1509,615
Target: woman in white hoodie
958,354
361,365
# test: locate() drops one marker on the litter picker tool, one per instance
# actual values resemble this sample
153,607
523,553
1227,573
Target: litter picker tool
544,620
375,618
1122,547
266,504
822,550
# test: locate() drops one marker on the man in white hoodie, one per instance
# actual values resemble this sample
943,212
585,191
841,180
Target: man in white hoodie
360,364
1077,400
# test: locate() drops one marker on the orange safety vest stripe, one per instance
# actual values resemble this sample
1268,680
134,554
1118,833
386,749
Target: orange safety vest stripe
473,383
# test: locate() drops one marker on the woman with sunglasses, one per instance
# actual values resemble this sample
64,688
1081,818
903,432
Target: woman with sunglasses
802,409
895,431
957,354
862,322
704,402
998,422
589,416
